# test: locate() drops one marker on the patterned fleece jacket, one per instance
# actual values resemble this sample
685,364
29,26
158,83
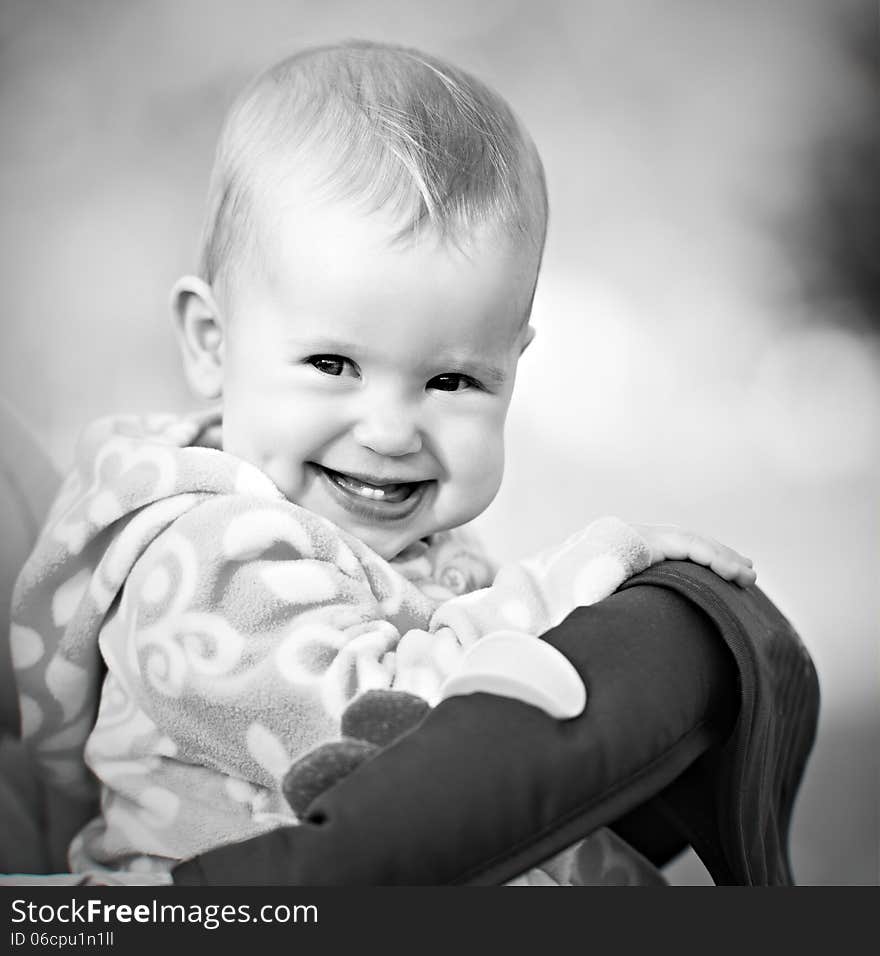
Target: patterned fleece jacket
182,632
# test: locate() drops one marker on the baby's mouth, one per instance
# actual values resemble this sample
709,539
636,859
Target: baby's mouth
392,492
373,500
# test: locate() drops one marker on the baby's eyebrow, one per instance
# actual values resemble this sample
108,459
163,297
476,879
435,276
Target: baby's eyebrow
322,344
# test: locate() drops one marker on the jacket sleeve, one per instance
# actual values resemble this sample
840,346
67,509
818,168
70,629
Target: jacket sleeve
529,597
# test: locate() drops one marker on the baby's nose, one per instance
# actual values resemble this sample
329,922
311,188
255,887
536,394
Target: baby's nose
389,431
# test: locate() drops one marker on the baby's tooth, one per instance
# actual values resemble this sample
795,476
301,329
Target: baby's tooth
364,490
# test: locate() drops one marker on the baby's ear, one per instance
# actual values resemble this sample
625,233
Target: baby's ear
199,328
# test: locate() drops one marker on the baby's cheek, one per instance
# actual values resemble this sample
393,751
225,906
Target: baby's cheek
287,475
265,450
483,472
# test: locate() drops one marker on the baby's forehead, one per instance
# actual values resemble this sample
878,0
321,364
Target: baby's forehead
346,267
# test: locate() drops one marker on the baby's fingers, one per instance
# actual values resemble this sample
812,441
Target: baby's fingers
724,561
736,569
672,542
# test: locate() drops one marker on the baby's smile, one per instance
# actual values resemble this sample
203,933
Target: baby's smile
373,497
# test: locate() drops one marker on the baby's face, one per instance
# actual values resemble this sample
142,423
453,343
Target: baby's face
371,380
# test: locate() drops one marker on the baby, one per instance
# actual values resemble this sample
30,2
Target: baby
236,577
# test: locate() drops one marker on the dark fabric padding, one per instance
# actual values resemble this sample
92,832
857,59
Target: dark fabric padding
486,787
734,805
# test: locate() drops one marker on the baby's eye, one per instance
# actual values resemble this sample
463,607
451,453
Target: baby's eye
453,382
332,364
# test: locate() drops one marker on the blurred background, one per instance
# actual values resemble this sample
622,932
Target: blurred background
708,349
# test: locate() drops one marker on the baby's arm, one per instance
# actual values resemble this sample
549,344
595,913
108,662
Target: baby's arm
274,625
531,596
527,598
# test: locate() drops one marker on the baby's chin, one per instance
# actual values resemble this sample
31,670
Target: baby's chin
389,545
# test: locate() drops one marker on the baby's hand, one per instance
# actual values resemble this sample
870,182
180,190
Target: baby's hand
668,541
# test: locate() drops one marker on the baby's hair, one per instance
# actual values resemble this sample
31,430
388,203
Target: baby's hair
391,128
